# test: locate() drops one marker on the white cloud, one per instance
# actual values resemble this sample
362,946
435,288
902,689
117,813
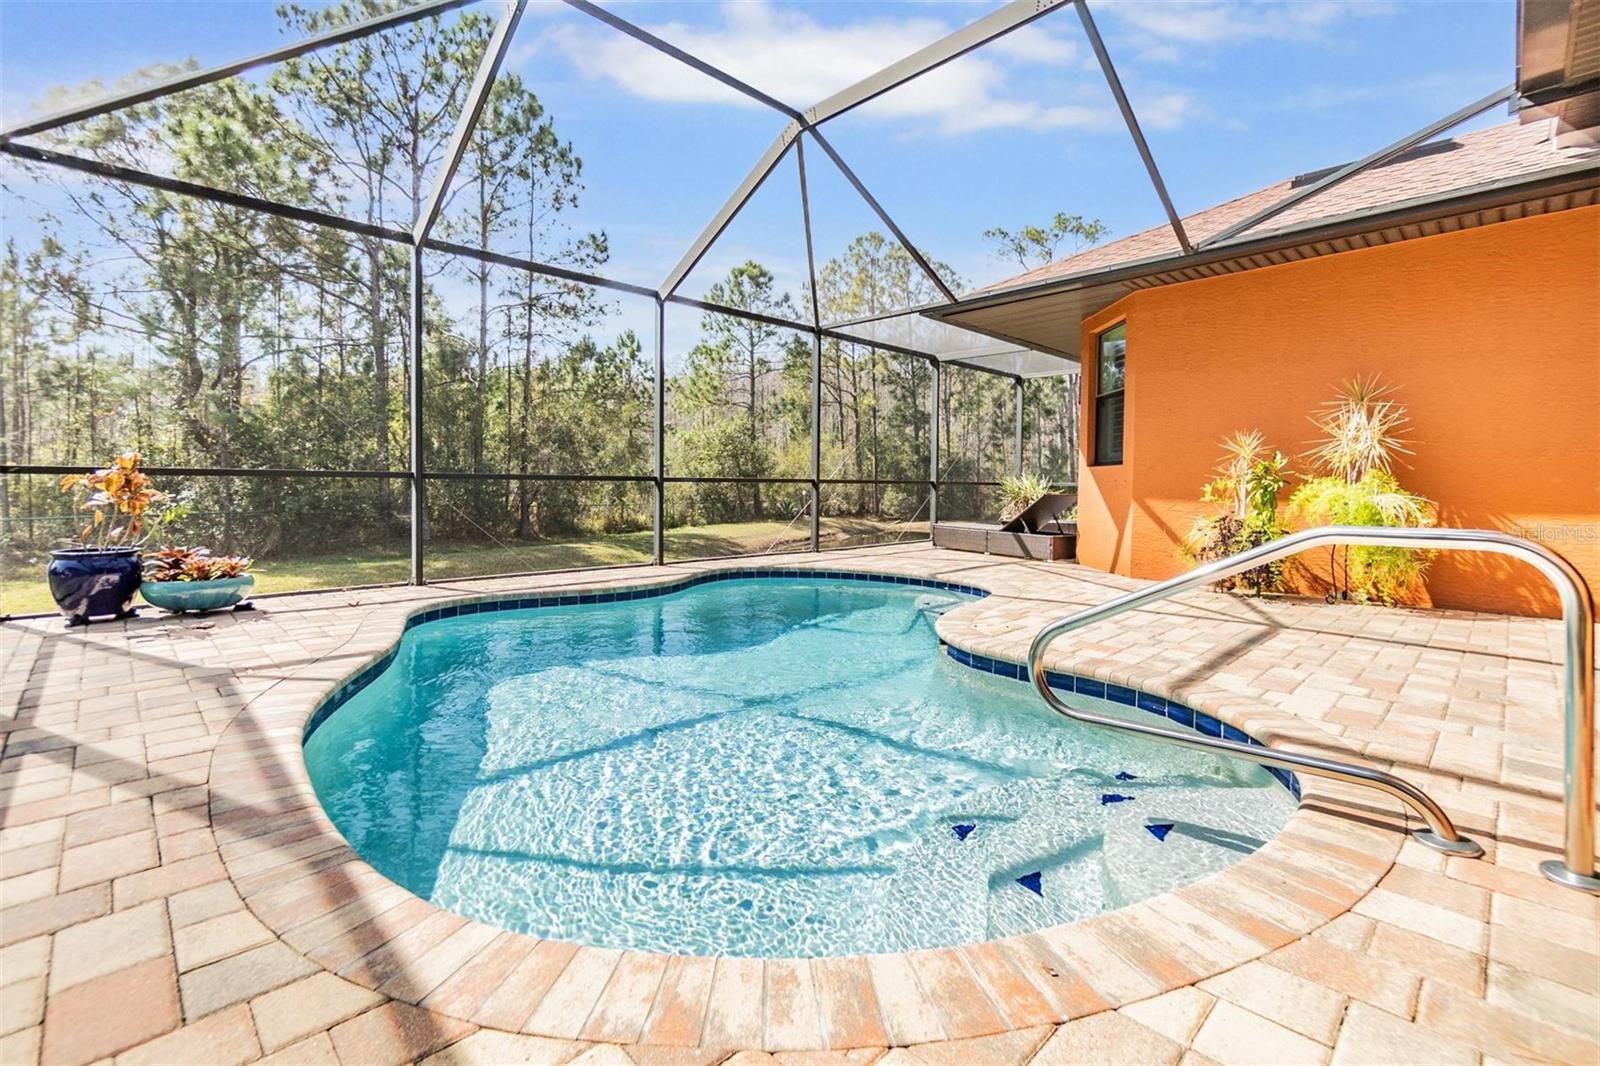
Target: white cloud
1160,53
1037,42
801,61
1168,111
1446,89
1209,22
1194,35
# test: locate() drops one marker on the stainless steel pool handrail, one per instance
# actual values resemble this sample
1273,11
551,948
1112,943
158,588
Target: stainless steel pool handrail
1576,869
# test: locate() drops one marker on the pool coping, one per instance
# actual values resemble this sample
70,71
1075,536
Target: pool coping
300,877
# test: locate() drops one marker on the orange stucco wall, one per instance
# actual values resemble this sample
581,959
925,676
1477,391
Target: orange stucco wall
1490,336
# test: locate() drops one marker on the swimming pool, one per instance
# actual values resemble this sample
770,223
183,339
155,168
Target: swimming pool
759,767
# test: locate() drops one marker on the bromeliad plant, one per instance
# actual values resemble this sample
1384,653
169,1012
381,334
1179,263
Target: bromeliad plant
1247,484
193,564
1362,435
124,502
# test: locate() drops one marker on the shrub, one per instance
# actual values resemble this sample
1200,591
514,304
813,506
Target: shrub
1247,484
1019,493
1362,430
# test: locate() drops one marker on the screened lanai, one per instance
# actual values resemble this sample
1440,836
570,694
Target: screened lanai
455,288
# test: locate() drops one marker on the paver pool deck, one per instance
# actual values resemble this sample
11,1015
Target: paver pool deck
170,891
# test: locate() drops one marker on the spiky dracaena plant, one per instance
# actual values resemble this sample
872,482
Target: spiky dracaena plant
1362,434
1361,429
1248,481
1240,453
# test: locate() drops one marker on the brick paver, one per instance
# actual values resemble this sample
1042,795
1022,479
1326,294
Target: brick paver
172,892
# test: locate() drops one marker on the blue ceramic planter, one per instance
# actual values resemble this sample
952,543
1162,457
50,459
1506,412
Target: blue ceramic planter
90,583
197,595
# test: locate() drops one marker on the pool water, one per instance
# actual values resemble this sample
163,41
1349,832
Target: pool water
761,768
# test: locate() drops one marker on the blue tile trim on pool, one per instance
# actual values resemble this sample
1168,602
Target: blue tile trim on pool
1183,715
342,695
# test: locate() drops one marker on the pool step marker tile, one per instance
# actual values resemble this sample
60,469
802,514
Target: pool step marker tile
1031,882
1159,830
964,830
1123,775
1113,797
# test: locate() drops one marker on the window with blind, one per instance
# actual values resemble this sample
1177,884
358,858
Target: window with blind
1110,375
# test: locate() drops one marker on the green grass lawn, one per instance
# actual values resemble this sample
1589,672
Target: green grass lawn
26,592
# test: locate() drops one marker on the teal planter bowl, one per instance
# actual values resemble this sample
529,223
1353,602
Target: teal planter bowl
197,595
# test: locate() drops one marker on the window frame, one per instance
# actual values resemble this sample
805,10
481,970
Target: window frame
1121,393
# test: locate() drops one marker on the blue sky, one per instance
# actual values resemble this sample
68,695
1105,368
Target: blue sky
1234,94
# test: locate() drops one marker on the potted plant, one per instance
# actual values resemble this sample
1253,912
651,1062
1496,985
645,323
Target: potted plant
192,579
98,578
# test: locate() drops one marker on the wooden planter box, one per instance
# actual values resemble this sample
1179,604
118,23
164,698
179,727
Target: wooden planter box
976,537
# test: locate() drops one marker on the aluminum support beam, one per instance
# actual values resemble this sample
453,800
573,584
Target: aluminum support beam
805,220
736,312
217,471
883,316
1016,466
883,216
419,494
747,188
658,538
1013,15
801,327
933,445
477,95
178,187
1115,82
816,354
533,266
816,442
1016,14
645,37
1350,170
193,79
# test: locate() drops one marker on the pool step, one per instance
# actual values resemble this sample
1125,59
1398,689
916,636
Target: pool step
1035,853
1035,847
1056,888
1164,837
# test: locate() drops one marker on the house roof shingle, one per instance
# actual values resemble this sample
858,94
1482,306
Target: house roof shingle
1499,153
